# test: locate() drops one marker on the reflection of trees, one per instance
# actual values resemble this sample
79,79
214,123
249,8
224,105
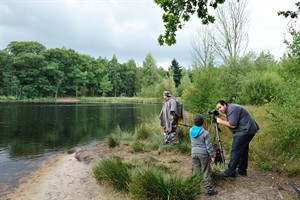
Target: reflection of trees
33,129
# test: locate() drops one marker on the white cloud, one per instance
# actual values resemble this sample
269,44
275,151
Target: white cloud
126,28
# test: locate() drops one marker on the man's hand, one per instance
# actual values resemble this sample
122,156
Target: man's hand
224,122
212,159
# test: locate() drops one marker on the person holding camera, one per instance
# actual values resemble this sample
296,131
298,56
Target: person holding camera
169,118
202,153
243,127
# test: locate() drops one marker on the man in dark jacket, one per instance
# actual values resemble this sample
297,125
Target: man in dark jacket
243,127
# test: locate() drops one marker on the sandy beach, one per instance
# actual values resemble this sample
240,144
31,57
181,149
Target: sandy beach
62,176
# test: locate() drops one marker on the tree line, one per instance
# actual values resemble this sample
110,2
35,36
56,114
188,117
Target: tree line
29,70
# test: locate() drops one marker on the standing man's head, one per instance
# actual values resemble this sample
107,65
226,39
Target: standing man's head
167,95
198,120
221,106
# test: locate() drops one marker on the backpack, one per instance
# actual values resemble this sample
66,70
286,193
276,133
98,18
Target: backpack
180,113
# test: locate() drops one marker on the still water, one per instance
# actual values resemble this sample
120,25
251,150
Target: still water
29,132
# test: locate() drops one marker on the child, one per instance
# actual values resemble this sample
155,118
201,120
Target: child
202,153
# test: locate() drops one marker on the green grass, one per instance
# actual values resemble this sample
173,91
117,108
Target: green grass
113,171
152,178
121,100
153,184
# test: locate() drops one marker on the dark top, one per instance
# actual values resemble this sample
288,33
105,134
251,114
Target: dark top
239,117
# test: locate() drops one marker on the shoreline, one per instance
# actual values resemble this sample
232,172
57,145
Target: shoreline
61,176
69,176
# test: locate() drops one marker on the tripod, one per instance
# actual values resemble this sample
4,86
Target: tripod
217,137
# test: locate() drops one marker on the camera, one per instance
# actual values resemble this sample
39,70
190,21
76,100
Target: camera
213,112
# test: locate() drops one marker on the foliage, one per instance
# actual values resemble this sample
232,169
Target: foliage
176,69
258,88
202,93
151,184
138,146
289,13
113,171
29,71
176,13
185,83
113,141
142,132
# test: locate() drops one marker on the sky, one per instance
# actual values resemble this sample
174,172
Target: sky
127,29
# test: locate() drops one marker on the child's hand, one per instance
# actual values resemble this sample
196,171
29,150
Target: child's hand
212,159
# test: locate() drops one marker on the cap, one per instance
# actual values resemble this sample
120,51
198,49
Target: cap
167,93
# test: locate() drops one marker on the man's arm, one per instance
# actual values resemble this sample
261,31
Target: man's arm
224,122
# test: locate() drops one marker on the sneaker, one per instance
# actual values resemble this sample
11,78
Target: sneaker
227,173
211,193
242,172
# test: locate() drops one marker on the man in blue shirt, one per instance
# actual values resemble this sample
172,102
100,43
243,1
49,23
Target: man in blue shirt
243,127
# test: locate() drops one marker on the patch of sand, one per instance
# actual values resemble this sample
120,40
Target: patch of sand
62,177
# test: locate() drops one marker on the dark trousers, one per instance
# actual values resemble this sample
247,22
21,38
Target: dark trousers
201,162
239,152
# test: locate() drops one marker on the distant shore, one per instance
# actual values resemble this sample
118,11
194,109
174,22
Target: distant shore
87,100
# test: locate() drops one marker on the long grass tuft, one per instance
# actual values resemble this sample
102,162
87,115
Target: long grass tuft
151,184
113,171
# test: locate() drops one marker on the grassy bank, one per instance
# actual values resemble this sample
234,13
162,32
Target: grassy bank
121,100
154,175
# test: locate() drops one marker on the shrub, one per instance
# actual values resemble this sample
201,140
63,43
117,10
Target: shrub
113,141
142,132
151,184
184,147
138,146
260,88
113,171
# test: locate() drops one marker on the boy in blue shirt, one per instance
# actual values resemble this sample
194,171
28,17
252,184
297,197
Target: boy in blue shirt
202,153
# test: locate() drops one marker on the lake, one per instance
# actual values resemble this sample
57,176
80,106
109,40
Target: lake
29,132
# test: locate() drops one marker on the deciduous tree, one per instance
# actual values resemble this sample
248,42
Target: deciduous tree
178,12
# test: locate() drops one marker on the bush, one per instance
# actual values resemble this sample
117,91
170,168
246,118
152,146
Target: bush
151,184
260,88
138,146
113,141
142,132
113,171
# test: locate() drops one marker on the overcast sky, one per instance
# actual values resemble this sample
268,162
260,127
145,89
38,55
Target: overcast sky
126,28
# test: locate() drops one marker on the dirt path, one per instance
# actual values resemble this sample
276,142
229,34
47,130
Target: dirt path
64,177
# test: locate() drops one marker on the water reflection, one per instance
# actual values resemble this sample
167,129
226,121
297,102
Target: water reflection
31,131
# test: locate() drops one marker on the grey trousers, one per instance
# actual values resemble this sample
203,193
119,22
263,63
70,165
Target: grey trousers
202,162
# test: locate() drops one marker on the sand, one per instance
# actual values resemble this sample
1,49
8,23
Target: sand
61,177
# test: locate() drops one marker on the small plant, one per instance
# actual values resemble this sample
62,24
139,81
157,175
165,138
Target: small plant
138,146
142,132
151,184
265,166
184,147
184,188
113,141
113,171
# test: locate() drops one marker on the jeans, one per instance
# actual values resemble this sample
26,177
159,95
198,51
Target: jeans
239,153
